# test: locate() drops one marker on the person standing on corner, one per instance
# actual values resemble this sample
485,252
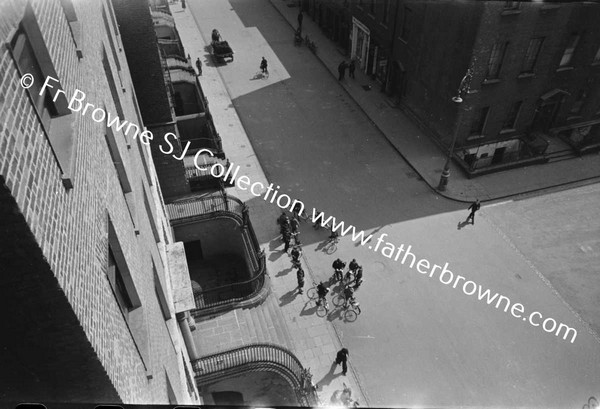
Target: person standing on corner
473,208
199,65
300,19
351,68
342,358
342,70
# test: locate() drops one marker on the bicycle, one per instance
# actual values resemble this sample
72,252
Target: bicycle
312,292
352,310
322,306
331,245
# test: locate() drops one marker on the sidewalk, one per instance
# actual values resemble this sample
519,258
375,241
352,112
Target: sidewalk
314,340
422,154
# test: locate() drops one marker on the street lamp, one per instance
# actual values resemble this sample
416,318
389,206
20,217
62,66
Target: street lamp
463,87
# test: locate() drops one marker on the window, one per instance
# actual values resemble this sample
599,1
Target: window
512,5
386,12
112,47
115,278
533,50
161,295
150,215
478,124
511,116
74,25
496,58
570,50
406,22
579,101
31,56
372,7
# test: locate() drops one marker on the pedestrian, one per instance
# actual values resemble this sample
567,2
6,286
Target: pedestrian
353,266
342,358
473,208
300,277
263,66
199,65
342,70
351,68
284,222
294,225
287,237
296,253
300,19
358,278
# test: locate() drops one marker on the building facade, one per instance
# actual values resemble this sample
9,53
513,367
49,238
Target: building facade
93,292
533,90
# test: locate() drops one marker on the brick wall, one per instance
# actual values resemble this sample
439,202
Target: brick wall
65,239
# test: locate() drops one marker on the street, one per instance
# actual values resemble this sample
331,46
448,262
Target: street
417,342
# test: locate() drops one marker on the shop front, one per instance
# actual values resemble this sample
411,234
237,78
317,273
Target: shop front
361,36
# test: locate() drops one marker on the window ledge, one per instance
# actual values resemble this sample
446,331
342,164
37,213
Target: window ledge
473,137
574,117
526,75
507,131
490,81
510,12
561,69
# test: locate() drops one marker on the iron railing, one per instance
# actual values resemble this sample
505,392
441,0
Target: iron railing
231,293
206,207
258,357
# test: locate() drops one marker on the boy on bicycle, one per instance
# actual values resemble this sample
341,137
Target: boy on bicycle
349,296
322,293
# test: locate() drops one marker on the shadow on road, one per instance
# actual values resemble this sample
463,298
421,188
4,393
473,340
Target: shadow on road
284,272
462,224
329,376
288,297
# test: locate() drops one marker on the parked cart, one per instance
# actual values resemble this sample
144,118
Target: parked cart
220,48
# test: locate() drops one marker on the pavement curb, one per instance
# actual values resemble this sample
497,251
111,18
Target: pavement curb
561,186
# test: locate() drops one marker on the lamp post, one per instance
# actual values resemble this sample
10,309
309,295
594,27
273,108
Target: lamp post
463,87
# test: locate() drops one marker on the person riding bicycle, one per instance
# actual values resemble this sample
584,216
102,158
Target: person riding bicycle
353,265
263,65
334,235
322,291
349,296
338,266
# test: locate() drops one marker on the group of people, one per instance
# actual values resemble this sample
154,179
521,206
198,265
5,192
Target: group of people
351,66
289,228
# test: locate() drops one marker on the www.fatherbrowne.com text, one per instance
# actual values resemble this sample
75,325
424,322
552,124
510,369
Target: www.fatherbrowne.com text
402,254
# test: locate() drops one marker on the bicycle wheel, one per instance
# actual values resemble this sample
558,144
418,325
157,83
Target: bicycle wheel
321,310
338,300
312,293
348,277
350,315
331,248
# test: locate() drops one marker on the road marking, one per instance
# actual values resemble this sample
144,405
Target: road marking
363,336
498,204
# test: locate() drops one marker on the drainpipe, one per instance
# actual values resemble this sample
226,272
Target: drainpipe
187,325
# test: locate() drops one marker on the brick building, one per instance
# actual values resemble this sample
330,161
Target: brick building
93,287
535,88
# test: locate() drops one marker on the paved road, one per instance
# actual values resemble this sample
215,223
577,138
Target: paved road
418,342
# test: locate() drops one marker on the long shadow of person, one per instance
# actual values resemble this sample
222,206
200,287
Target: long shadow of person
284,272
288,297
329,376
309,308
462,224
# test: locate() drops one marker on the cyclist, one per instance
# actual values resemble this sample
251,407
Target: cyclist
338,266
334,235
349,296
358,280
322,291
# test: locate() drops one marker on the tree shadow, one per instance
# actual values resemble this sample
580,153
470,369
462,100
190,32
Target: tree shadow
288,297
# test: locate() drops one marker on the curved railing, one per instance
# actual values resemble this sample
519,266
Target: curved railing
205,207
257,357
232,293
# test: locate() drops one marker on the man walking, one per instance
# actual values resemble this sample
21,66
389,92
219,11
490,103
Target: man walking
263,66
351,68
300,277
342,358
342,70
287,237
199,65
300,19
473,208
